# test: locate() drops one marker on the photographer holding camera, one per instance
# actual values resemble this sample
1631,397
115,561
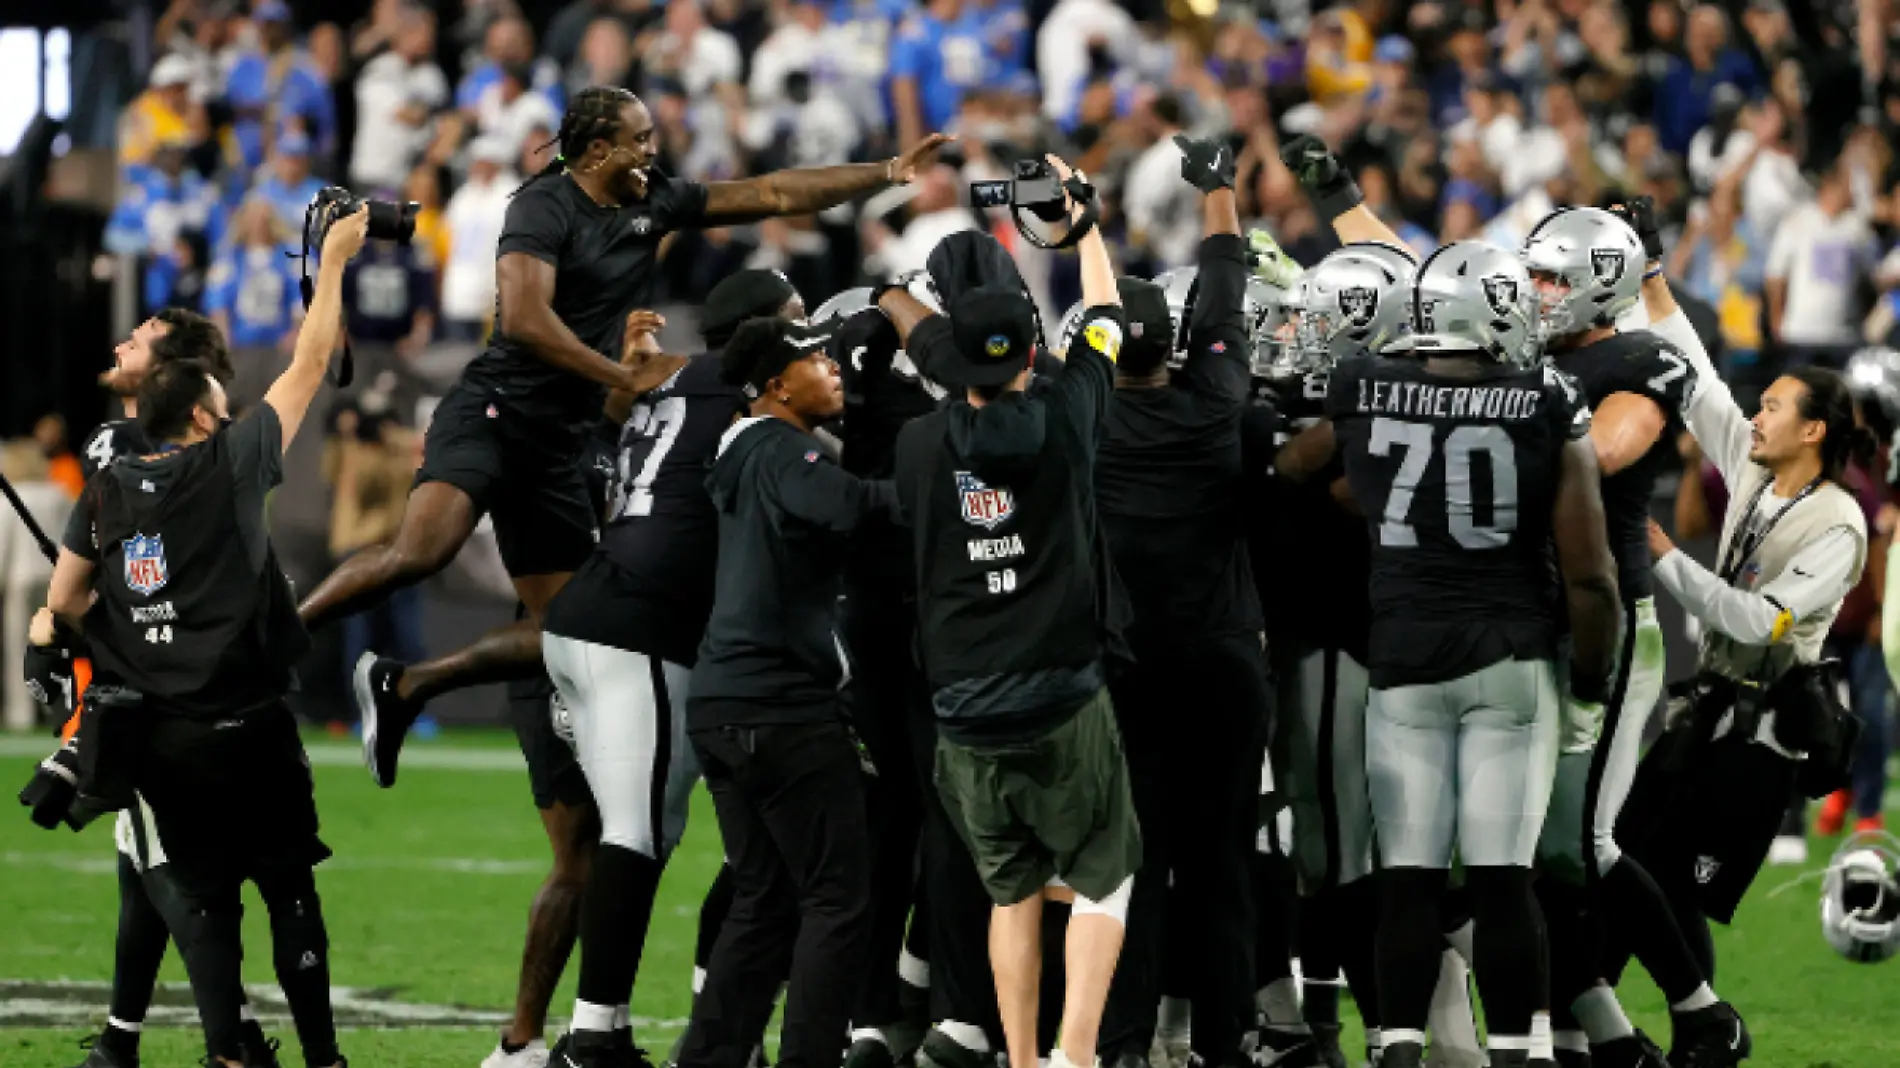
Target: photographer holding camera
192,645
1761,717
997,486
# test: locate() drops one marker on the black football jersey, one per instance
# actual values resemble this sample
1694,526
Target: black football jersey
111,441
1310,555
1638,362
651,582
1457,477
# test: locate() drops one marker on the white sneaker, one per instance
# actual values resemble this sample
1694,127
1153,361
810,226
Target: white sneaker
1788,849
532,1055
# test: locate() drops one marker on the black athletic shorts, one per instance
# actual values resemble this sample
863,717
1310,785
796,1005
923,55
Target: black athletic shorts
1706,820
554,775
232,797
521,471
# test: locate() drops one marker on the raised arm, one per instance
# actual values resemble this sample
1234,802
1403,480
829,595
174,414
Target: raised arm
291,394
804,190
1709,411
1335,195
1218,353
1589,573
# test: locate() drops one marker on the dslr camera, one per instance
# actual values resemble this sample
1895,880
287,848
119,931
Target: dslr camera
388,220
1036,189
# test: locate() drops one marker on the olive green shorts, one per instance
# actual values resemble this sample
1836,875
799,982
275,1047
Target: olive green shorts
1054,807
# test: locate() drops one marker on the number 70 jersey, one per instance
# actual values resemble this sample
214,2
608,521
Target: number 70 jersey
1457,477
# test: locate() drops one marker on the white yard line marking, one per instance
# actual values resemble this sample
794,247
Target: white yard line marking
68,1003
335,754
103,863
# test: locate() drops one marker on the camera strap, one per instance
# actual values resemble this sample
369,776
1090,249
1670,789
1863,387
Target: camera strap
345,370
1744,544
1082,193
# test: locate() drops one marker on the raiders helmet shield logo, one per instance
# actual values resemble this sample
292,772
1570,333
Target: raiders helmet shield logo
1358,304
1501,293
1607,265
982,506
145,563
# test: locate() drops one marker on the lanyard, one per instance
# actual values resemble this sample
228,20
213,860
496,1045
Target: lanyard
1742,546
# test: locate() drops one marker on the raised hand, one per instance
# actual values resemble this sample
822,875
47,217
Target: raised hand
904,166
1207,165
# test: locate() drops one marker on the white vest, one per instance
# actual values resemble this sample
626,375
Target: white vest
1829,506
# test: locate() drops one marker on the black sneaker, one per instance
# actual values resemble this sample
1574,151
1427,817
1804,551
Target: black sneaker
869,1053
100,1054
939,1050
386,717
259,1052
1633,1051
1714,1037
1402,1055
597,1049
1276,1048
1570,1058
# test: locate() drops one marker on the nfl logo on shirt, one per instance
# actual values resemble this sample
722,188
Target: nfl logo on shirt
982,506
145,563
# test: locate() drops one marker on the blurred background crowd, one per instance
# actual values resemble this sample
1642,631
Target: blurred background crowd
1765,132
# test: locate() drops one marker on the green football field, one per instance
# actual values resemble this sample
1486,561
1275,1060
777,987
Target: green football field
427,900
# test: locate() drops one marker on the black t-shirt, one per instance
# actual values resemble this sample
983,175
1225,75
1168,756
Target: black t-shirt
1311,557
604,262
661,542
1646,365
111,441
1457,477
255,448
1169,475
196,627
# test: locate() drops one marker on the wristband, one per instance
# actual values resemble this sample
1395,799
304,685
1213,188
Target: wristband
1653,272
1338,198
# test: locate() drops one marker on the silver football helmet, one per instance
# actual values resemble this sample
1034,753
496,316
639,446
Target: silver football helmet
1472,296
1860,898
1353,302
1596,261
1873,374
1272,316
852,301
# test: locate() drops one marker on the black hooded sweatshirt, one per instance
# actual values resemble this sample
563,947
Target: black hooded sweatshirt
1015,592
771,653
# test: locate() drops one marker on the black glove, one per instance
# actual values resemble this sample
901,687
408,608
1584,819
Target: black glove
1206,165
49,679
1325,179
1640,213
49,794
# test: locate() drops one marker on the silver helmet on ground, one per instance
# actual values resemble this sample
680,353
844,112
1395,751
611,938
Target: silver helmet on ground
1860,898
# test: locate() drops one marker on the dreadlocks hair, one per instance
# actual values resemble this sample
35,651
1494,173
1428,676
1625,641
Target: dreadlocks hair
593,114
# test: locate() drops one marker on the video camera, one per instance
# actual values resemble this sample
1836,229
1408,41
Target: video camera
388,221
1036,189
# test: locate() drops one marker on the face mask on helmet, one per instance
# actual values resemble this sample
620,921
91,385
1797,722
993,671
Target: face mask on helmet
1273,316
1860,898
1587,266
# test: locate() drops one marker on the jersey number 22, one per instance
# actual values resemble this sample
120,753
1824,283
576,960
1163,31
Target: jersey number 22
1420,451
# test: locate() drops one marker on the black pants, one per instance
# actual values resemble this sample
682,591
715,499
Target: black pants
232,801
790,801
1193,716
885,694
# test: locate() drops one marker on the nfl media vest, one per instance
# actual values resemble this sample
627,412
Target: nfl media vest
183,615
1008,569
1829,506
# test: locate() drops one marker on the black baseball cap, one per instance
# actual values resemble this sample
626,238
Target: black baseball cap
1150,328
993,335
763,347
746,295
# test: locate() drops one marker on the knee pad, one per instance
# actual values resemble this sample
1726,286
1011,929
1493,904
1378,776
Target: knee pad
1114,905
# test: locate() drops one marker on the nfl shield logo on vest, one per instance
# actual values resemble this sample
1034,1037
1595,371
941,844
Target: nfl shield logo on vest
982,506
145,563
